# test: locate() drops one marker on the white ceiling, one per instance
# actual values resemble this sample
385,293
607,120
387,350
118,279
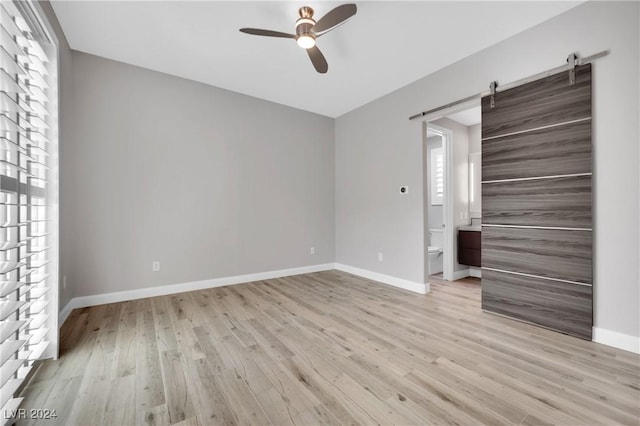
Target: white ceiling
387,45
468,117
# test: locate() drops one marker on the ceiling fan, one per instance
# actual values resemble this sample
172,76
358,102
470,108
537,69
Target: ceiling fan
307,30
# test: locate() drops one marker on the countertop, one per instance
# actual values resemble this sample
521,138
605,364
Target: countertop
477,228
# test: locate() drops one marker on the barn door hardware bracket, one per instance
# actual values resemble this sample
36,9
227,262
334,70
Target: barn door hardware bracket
572,60
492,90
559,69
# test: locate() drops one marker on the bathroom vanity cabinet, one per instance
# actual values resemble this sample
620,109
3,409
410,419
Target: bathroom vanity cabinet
469,247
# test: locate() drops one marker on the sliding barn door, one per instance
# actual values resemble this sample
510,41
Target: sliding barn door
536,203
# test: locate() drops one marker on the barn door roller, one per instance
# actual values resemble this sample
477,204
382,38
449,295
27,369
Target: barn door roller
572,60
492,90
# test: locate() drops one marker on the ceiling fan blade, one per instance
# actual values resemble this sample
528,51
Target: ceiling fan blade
318,60
268,33
334,17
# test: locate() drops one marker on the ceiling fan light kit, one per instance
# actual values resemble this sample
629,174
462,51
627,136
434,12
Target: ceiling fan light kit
306,39
307,30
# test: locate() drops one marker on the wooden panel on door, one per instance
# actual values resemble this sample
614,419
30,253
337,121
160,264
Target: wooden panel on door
540,103
536,200
559,202
557,151
549,253
556,305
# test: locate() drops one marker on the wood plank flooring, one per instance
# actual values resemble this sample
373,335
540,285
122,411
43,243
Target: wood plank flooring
327,348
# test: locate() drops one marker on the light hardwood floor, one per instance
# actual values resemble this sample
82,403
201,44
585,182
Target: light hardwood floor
327,348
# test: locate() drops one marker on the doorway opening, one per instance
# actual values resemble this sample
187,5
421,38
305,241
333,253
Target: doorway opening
438,200
452,196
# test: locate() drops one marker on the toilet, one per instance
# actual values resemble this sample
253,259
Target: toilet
436,242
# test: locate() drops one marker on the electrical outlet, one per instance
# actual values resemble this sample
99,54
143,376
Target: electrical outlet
155,266
380,257
64,281
312,250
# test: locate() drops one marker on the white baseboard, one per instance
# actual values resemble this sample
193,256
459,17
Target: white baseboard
142,293
616,339
458,275
386,279
64,313
600,335
475,272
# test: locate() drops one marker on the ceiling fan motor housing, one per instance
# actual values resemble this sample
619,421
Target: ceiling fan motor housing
305,22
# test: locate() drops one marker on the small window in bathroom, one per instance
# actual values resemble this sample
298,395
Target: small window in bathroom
437,177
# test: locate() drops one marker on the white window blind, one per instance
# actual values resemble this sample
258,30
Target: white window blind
28,198
437,176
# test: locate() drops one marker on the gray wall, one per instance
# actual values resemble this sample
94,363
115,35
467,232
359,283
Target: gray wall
208,182
378,149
